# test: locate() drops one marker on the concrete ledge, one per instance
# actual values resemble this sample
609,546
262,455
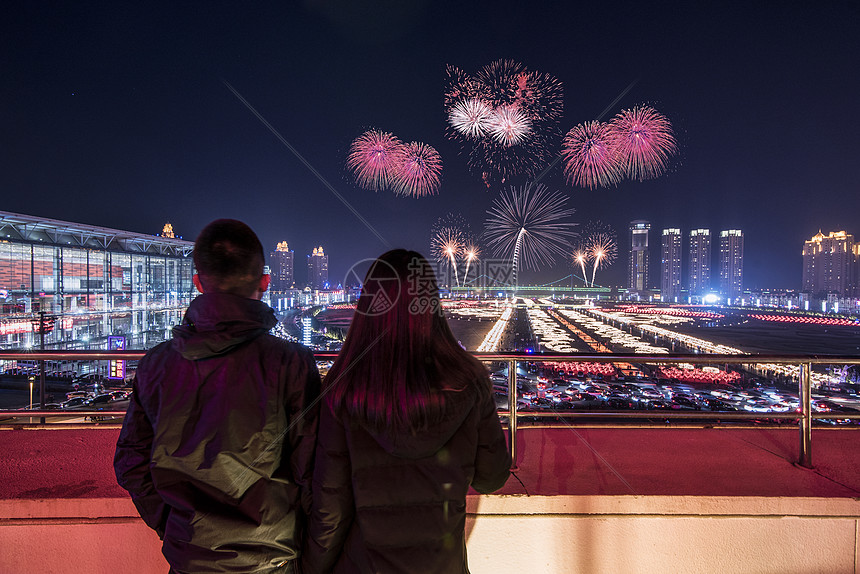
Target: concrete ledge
552,534
665,506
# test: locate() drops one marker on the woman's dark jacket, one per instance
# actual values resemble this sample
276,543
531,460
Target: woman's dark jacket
389,502
217,445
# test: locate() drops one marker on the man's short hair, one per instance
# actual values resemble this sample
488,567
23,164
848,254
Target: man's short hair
229,257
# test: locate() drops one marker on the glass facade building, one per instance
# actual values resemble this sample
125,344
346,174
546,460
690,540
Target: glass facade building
637,271
91,282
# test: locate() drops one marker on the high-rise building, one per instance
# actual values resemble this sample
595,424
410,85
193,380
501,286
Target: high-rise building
637,271
281,266
731,263
828,264
700,262
856,280
670,266
318,269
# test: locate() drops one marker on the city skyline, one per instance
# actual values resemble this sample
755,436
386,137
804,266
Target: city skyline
121,116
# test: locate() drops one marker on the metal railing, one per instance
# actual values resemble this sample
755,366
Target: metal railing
805,416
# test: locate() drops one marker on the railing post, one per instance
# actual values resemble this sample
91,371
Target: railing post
42,328
42,385
805,416
512,410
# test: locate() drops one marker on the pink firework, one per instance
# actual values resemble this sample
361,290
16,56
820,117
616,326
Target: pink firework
522,135
509,125
373,159
541,95
590,155
418,172
470,117
461,86
645,141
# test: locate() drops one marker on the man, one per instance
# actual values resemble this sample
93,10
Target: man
217,445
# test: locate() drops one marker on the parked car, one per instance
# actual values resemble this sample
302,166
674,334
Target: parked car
74,402
101,399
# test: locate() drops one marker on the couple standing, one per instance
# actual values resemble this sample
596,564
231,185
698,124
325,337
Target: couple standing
242,461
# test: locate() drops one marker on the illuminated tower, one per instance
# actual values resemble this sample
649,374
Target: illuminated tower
828,264
732,263
318,269
637,271
670,266
700,262
281,264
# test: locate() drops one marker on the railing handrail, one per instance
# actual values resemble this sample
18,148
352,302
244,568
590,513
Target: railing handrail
804,417
736,359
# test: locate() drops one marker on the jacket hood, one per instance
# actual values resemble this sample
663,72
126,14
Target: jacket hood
458,404
216,323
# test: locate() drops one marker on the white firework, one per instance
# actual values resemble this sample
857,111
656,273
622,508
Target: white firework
470,117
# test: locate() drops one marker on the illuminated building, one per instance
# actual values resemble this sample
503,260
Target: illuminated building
700,262
93,281
829,264
318,269
670,266
281,267
637,270
732,263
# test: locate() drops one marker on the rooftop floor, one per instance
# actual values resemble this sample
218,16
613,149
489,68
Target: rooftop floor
78,463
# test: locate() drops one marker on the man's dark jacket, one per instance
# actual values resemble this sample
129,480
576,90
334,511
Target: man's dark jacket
387,502
217,445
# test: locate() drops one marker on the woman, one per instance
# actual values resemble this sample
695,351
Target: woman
408,424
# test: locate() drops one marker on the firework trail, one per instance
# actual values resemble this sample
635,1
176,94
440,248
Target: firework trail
581,255
590,155
528,224
603,251
645,141
471,252
418,170
447,240
373,159
600,243
522,127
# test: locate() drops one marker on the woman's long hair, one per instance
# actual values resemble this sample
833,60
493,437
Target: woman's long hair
399,353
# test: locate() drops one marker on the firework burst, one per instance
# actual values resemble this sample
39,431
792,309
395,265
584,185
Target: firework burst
418,170
448,239
471,118
604,248
373,159
590,155
541,95
471,253
528,224
600,243
461,86
645,140
581,256
517,137
509,125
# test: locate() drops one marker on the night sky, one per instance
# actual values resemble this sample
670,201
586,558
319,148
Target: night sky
116,114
